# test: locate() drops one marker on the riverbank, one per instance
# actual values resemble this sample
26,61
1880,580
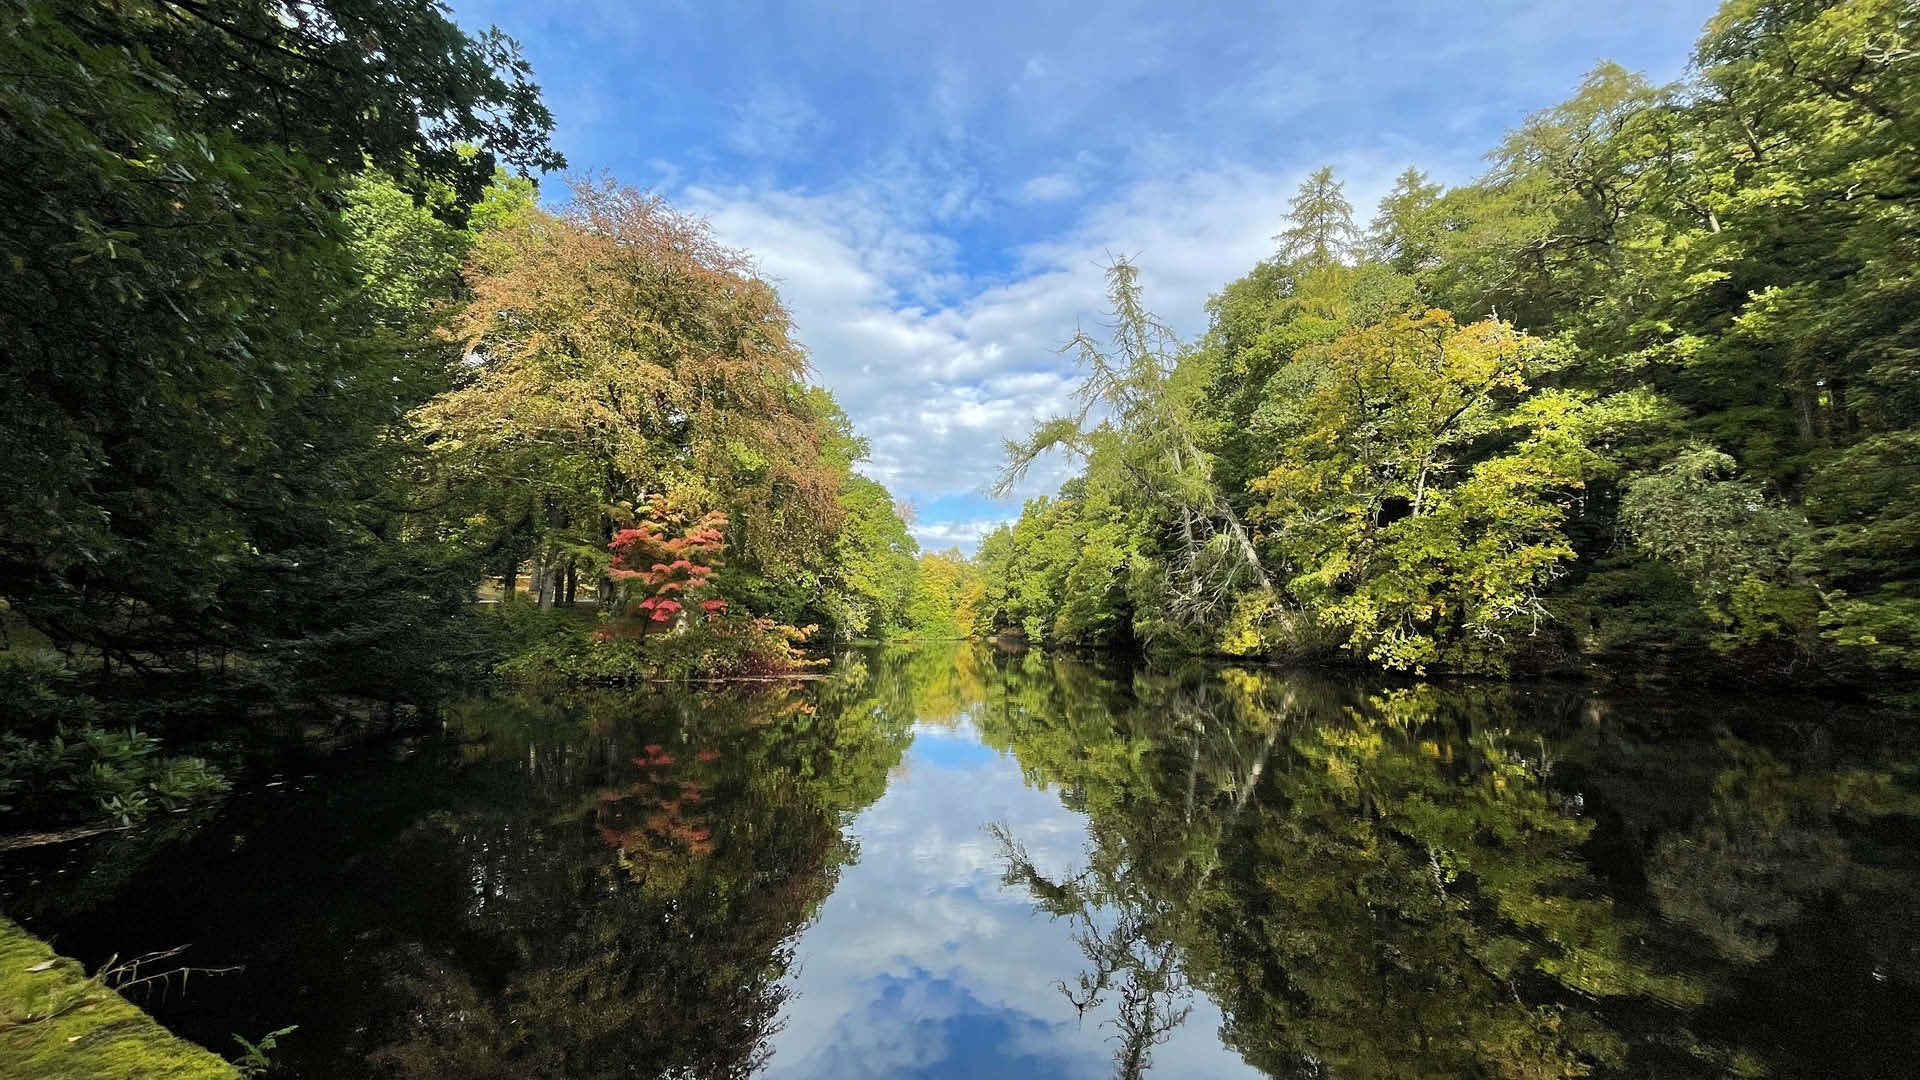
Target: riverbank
57,1022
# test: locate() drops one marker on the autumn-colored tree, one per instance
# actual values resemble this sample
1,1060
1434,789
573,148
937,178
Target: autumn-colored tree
669,571
947,595
616,349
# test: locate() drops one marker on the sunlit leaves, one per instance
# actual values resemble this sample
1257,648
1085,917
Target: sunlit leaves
617,351
1420,556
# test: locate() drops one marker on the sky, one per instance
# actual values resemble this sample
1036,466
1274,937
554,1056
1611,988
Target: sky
936,188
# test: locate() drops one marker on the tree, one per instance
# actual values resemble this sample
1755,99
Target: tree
203,416
1402,233
1811,139
618,351
669,571
1743,551
1384,529
1724,265
873,577
1320,230
1258,323
1147,432
948,594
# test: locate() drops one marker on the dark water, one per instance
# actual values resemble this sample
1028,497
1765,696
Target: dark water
950,863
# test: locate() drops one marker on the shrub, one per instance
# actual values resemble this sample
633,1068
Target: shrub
731,647
91,771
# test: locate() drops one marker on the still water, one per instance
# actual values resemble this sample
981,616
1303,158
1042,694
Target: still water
946,862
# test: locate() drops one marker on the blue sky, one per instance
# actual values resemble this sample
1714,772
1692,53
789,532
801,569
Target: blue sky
935,187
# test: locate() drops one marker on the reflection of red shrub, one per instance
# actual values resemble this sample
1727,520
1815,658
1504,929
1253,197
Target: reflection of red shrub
652,819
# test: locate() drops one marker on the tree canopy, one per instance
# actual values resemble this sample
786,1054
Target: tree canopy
1663,350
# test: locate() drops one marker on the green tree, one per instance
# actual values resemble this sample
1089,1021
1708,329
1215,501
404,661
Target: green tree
1421,556
1319,228
1147,433
1743,551
199,445
947,596
1402,234
873,580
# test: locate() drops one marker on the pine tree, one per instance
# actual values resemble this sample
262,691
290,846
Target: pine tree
1320,228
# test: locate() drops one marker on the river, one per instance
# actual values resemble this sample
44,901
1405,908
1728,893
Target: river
952,862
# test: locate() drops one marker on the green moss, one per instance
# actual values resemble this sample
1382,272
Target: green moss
57,1023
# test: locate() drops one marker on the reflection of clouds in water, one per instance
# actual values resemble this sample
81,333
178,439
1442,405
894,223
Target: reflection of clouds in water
922,963
960,725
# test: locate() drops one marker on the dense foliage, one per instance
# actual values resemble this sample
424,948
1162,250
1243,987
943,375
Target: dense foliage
1643,394
199,390
1472,881
297,358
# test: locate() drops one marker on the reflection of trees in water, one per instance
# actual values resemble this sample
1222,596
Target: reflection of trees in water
1746,867
1129,901
635,876
1126,904
1482,881
1130,954
1397,883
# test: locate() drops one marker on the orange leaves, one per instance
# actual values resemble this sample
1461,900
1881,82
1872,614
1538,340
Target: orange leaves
620,342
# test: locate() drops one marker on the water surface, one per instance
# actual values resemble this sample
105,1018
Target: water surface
945,862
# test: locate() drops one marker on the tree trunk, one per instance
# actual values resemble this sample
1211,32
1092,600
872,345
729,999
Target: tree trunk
604,591
1803,412
1420,489
573,580
540,594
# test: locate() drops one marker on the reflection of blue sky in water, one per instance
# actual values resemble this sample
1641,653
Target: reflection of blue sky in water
923,964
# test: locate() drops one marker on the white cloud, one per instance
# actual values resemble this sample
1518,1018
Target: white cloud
1053,187
935,385
939,371
773,122
939,536
921,936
